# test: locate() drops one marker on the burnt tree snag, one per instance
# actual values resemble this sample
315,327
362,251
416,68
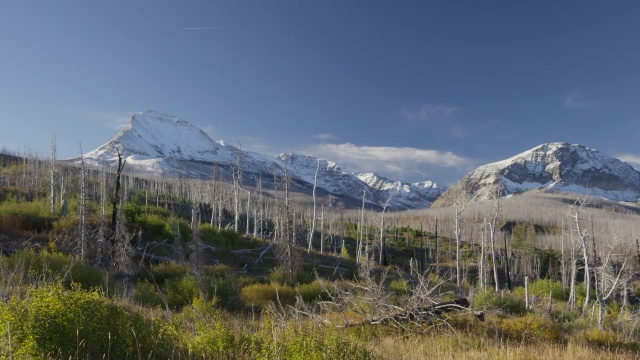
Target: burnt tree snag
116,199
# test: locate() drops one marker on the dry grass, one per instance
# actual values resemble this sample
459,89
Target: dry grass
452,346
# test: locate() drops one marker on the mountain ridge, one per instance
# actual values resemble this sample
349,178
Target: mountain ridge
157,143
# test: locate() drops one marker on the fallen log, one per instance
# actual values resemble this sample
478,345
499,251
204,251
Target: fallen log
263,252
429,312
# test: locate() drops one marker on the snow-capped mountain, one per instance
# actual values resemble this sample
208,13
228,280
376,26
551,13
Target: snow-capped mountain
402,195
156,143
560,166
377,189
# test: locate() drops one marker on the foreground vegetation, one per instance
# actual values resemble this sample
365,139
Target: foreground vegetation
161,282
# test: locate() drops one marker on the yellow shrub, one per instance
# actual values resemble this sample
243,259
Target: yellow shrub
530,328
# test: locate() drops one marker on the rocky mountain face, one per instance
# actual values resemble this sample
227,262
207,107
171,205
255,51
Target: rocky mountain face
560,166
158,144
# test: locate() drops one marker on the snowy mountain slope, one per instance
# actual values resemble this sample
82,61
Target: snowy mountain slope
559,166
376,188
156,143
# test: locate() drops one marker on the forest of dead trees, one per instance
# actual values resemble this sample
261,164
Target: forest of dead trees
496,244
530,267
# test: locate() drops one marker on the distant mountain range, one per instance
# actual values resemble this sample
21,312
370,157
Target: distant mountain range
158,144
553,167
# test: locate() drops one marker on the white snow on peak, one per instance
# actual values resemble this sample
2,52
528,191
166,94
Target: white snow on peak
151,135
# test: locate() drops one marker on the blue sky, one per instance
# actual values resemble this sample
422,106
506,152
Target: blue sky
413,90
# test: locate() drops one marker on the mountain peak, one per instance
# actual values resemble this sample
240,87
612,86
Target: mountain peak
151,136
559,165
154,117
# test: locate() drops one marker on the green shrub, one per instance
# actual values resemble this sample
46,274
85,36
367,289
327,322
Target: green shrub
507,303
259,295
48,266
220,270
542,287
278,276
303,342
312,292
223,287
400,287
181,292
54,322
306,275
168,271
155,227
226,239
147,294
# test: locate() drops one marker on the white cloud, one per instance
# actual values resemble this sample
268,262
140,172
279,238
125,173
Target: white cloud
633,160
574,101
112,120
431,113
396,162
324,136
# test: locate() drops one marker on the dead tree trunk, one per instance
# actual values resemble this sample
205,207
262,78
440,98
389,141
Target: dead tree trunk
116,202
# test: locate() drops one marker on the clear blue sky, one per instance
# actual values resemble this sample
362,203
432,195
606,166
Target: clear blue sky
445,84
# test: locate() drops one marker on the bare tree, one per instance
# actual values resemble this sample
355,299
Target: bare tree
607,276
481,269
383,241
322,231
492,238
361,232
248,211
83,207
115,235
64,205
237,180
116,196
575,212
313,219
52,175
460,205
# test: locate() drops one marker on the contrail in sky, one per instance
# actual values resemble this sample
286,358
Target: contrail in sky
206,28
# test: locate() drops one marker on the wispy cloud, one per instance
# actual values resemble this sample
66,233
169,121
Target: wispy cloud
324,136
113,120
633,160
442,118
459,132
431,113
211,131
575,101
399,162
255,144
